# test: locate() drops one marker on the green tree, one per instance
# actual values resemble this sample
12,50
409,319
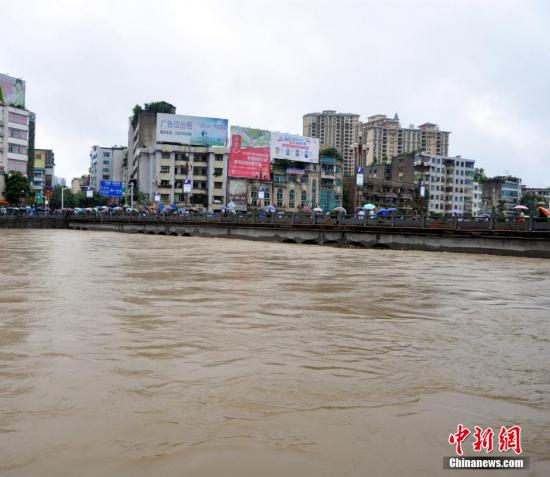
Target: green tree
479,175
18,188
500,211
68,199
82,201
530,199
329,152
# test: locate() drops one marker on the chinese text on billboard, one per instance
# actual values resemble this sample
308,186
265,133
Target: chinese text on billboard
249,156
191,130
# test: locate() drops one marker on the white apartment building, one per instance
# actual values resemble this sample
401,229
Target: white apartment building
338,130
106,163
14,142
451,185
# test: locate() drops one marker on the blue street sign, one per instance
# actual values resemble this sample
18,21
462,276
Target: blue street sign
110,189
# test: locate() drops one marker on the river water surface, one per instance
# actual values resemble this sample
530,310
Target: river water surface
134,355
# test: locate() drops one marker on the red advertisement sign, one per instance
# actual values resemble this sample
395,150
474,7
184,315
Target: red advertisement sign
249,162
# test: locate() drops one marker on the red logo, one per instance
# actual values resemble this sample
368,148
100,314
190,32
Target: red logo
508,439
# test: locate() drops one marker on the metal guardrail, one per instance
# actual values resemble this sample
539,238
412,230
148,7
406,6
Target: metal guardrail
425,223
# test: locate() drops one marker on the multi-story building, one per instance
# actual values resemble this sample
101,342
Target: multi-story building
14,129
331,182
49,169
159,170
106,164
385,138
338,130
14,142
501,194
543,192
39,175
421,183
80,184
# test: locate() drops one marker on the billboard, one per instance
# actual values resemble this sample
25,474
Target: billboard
39,160
294,148
237,193
110,189
250,153
12,91
191,130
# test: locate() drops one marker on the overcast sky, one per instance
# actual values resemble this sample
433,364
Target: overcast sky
480,69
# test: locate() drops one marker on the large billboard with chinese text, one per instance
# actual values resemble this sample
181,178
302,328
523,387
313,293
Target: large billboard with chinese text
12,91
249,157
191,130
294,148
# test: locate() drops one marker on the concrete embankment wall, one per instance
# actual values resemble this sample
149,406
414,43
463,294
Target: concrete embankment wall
33,222
398,240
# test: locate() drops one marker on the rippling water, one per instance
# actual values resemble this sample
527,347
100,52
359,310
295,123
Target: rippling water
143,355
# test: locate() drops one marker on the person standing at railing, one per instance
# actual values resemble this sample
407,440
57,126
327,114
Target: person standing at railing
521,218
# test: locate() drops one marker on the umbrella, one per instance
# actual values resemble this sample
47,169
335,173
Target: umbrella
544,211
317,209
521,207
308,210
340,210
392,209
270,208
382,212
369,206
231,205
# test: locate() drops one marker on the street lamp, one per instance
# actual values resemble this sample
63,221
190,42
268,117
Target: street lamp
63,189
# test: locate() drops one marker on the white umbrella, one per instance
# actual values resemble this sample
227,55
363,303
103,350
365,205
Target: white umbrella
521,207
369,206
340,210
317,209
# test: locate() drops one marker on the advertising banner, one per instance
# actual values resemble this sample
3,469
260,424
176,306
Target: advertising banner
187,186
12,91
237,193
110,189
191,130
360,176
250,156
294,148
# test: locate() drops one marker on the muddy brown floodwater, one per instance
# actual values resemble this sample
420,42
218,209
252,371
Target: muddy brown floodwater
133,355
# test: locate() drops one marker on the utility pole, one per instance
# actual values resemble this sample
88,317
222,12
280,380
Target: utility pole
63,189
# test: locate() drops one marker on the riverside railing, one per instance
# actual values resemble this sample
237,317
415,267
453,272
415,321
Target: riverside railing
474,224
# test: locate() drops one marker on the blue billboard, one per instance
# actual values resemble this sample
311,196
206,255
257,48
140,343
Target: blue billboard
110,189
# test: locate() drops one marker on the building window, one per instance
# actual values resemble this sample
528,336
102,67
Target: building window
267,197
313,193
165,198
218,185
18,133
291,199
105,177
17,149
106,154
253,195
106,169
17,118
218,157
165,155
304,198
165,169
106,162
279,197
